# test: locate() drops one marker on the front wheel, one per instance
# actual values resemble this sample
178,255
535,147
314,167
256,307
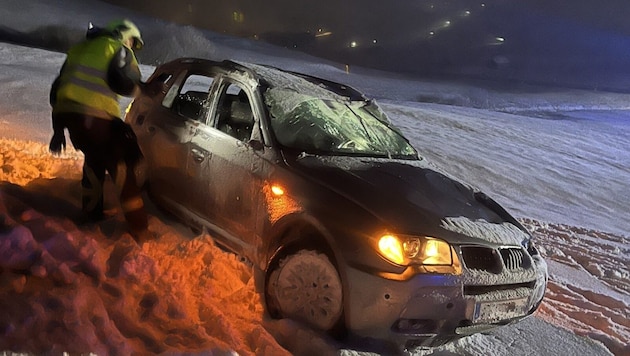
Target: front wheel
306,286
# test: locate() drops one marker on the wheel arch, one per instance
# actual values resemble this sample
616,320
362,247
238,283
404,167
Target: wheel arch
297,232
300,232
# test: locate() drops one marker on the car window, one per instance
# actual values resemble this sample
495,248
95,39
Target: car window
234,114
190,98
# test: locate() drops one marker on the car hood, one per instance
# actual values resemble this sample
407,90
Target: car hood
412,197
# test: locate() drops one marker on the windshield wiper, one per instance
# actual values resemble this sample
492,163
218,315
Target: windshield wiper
367,132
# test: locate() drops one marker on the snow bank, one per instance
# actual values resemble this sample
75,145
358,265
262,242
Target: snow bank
88,287
91,288
68,287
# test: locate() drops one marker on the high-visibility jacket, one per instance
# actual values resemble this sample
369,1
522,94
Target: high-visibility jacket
82,84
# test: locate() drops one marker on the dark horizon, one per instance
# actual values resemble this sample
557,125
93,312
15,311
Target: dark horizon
565,43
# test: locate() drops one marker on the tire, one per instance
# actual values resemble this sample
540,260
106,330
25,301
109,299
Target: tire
306,286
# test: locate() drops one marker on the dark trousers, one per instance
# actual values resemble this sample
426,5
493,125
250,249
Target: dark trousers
108,146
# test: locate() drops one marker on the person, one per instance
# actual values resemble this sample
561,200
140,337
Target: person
85,101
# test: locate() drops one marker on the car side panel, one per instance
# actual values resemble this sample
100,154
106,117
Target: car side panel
163,137
202,178
228,190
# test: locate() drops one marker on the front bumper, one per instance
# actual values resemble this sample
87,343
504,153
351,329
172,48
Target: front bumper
431,309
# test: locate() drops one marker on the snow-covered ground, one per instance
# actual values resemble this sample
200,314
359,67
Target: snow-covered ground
559,160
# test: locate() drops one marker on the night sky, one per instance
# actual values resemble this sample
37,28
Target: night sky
564,42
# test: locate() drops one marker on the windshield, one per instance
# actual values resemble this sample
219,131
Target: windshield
334,126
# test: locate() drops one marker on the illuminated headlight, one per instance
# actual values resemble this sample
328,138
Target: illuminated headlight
415,250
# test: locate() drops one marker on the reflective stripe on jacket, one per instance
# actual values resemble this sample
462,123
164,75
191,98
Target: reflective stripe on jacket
83,84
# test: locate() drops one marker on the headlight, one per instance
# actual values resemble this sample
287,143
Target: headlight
415,250
391,248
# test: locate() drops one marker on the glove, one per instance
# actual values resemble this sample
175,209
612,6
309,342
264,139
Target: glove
124,137
57,143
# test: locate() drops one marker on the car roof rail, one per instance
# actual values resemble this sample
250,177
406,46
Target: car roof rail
335,87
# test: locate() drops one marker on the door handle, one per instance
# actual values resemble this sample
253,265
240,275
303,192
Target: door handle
199,155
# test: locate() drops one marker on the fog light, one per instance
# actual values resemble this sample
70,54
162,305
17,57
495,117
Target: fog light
415,326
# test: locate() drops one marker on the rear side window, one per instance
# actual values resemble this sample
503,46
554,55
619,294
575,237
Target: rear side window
189,99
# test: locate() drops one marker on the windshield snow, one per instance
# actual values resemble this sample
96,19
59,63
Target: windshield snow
333,126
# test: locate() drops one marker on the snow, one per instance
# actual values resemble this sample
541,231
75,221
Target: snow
504,233
557,159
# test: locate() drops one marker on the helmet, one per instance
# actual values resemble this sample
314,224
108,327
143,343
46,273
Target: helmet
125,30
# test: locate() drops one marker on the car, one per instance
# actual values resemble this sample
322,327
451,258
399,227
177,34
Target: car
348,228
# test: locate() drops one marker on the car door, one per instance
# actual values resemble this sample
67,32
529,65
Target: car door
230,165
167,132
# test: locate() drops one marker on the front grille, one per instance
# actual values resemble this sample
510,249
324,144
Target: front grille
495,260
515,258
482,258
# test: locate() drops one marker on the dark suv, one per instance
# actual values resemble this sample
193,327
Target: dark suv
347,226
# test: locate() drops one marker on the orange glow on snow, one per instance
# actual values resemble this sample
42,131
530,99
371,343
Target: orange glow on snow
24,161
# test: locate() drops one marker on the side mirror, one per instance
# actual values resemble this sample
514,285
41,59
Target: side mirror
153,89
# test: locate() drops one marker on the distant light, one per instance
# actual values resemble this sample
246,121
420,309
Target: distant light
466,13
447,23
483,5
353,44
323,34
374,41
238,17
431,33
496,41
